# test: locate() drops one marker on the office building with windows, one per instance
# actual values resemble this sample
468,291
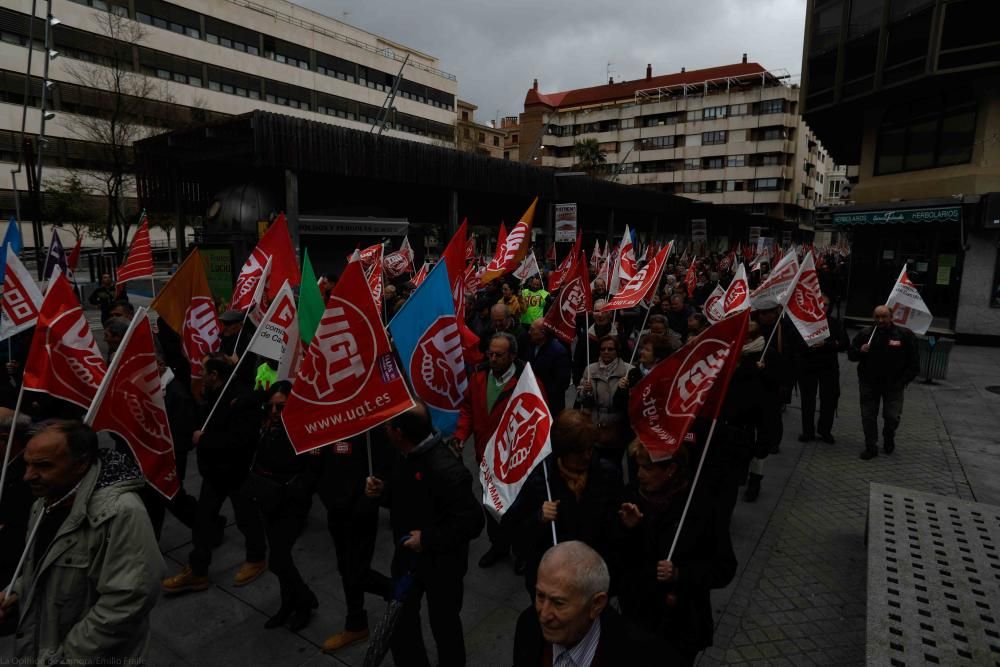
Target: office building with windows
729,135
909,90
206,60
472,136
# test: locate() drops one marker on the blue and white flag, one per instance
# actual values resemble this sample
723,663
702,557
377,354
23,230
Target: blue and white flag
429,341
55,257
11,239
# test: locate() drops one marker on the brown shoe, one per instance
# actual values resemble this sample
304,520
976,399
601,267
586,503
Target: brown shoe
344,638
249,572
184,582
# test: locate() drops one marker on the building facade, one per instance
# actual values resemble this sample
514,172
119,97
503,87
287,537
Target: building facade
909,90
206,59
729,135
472,136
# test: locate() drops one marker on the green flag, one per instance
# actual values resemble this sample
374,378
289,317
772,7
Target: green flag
310,302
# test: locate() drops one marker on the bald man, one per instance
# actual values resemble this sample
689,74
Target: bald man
571,622
887,361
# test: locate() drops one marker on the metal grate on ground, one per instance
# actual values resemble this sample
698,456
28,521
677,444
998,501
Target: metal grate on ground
933,579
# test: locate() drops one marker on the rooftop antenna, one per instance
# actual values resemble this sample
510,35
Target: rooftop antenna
609,71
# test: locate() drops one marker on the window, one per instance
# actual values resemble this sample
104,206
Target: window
735,186
710,187
772,134
771,160
711,113
506,155
653,143
737,109
482,137
467,133
465,116
692,163
513,139
496,140
712,163
927,133
736,161
766,184
772,106
692,188
628,123
713,138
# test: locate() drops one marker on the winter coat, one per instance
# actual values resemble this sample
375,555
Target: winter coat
892,360
825,355
592,341
550,362
93,589
473,417
600,400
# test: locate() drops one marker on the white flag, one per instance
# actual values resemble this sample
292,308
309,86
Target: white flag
804,304
275,337
907,306
768,293
713,305
257,306
528,268
625,264
520,443
21,298
737,295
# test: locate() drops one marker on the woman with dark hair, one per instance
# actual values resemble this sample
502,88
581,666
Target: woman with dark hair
586,493
672,597
282,483
596,397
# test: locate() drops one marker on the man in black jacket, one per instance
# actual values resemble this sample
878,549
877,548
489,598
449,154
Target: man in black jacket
434,515
571,622
549,358
887,361
820,368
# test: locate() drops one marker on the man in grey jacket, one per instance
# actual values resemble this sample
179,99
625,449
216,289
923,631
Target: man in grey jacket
92,570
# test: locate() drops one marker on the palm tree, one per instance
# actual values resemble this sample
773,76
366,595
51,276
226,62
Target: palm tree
589,154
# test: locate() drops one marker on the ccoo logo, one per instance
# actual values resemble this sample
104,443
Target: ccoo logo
437,368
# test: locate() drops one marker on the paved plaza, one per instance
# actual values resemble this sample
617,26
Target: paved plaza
799,594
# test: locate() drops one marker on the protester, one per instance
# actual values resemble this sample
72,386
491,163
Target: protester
535,300
114,332
122,308
434,516
501,321
599,291
677,314
571,622
887,361
490,389
17,497
820,368
696,324
103,296
588,348
515,307
182,416
596,397
549,358
671,597
585,494
91,517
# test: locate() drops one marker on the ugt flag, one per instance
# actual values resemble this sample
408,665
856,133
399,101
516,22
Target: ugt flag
429,341
513,249
63,360
804,304
907,306
737,295
276,245
713,305
130,404
21,298
641,284
768,293
348,381
690,383
574,298
185,305
626,264
520,443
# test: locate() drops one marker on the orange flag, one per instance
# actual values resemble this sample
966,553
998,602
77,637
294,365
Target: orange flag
186,306
513,249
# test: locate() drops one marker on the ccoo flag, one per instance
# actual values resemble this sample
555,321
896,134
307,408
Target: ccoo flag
907,306
429,340
21,298
347,381
520,443
130,404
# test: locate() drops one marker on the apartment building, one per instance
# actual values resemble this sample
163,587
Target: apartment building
472,136
511,125
728,135
209,59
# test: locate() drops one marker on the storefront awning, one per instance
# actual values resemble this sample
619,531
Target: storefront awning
890,216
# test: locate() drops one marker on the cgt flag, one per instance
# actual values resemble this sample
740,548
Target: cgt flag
512,250
129,403
574,298
907,306
690,383
276,246
21,298
737,296
804,304
185,304
520,443
768,293
63,361
348,381
429,340
642,283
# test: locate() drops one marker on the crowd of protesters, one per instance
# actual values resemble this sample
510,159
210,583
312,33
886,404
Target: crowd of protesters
607,590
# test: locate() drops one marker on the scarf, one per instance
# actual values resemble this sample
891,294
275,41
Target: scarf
756,346
576,482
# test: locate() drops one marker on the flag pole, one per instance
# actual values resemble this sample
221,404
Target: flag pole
368,444
694,483
586,339
777,323
223,392
548,493
10,439
641,329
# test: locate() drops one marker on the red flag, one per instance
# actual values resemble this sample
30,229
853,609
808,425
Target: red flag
368,255
512,250
375,282
559,274
470,246
421,274
625,264
454,258
691,278
691,382
737,296
470,282
651,250
641,284
501,240
551,254
139,262
348,380
130,404
63,360
185,304
713,305
74,255
574,298
276,245
804,304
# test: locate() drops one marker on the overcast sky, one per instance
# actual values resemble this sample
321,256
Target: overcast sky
496,48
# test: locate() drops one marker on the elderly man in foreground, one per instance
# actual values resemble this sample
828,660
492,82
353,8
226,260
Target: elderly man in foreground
92,570
571,623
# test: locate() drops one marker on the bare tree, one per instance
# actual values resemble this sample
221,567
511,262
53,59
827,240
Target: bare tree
72,204
127,96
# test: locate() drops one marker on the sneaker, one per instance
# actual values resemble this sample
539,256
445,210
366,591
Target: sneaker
249,572
344,638
184,582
